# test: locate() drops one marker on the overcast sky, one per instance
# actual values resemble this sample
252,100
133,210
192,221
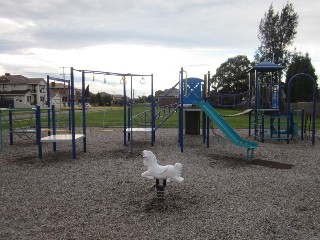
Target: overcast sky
39,37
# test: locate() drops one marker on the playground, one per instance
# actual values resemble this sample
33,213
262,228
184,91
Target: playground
259,182
101,194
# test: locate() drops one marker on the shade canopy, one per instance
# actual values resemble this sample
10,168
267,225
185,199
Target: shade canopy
266,67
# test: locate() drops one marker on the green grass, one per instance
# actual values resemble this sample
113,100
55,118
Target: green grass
114,117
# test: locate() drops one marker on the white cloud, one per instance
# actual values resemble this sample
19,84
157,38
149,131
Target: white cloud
158,36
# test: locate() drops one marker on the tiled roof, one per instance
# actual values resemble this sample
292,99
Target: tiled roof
35,80
172,92
13,79
18,79
54,85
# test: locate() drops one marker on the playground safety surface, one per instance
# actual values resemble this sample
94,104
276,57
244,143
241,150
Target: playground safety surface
101,195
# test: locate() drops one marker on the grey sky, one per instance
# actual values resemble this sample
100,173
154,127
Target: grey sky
223,28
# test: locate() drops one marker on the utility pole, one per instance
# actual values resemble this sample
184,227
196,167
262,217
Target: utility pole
63,73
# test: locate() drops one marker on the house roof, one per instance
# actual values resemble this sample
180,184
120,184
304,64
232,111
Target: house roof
13,79
58,85
170,92
118,96
18,79
36,80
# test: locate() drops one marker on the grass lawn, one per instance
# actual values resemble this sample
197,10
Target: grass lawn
114,117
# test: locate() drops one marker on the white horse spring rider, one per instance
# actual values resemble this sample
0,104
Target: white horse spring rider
154,170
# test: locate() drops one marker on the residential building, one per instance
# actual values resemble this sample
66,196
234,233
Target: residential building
22,92
59,94
169,97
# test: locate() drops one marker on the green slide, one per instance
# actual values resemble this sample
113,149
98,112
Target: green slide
227,129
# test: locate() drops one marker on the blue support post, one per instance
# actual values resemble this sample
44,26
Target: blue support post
314,114
129,121
84,120
124,113
10,125
279,129
48,104
262,128
181,111
302,123
38,130
54,126
69,106
73,130
256,105
204,124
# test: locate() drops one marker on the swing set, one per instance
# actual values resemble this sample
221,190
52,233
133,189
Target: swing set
128,102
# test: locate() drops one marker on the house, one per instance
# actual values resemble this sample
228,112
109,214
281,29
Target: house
59,94
118,99
169,97
22,92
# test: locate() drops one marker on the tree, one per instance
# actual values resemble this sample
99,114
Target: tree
107,100
276,33
231,76
301,87
158,93
94,99
99,99
87,92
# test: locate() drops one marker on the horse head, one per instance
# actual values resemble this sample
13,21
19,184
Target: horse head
148,158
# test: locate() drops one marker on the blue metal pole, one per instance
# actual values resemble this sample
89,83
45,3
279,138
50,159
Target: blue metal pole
256,105
10,125
289,128
38,130
204,133
84,119
54,126
208,122
124,112
73,123
279,122
129,121
69,109
279,91
314,113
302,123
181,111
48,104
262,128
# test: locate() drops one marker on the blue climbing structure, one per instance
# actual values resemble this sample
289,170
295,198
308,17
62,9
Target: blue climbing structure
194,98
271,120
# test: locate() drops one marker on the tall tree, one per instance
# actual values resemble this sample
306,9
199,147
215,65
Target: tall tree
276,34
99,99
301,87
107,100
231,76
87,92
